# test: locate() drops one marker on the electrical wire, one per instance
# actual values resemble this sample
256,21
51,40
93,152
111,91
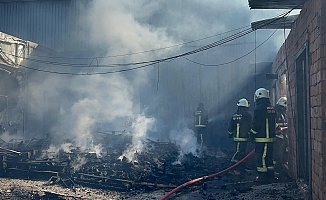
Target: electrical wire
152,62
216,65
93,73
206,47
141,52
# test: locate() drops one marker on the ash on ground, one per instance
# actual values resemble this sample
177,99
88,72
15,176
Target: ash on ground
154,172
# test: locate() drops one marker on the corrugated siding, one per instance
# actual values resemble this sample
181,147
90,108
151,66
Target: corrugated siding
48,23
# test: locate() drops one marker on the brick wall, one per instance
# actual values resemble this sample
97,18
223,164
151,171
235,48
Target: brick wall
309,27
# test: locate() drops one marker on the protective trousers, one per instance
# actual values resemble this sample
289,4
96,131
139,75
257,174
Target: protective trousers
265,166
239,154
201,135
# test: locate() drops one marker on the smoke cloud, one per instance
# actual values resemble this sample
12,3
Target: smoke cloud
71,108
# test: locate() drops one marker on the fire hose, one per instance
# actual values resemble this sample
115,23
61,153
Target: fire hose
213,175
207,177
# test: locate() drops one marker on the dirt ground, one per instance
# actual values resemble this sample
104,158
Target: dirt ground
27,189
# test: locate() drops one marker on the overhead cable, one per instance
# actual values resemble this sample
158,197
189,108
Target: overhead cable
152,62
216,65
206,47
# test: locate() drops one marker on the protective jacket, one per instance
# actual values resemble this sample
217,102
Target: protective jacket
281,115
201,116
240,124
263,125
263,129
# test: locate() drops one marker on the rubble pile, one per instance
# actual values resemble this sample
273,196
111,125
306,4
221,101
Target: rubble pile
153,168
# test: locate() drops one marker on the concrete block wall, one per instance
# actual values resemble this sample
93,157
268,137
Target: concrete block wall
310,27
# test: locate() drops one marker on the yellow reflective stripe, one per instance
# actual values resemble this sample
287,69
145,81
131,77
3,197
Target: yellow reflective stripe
237,151
265,139
280,136
230,132
267,128
282,124
241,139
270,168
264,156
253,131
199,125
263,160
238,130
261,169
199,120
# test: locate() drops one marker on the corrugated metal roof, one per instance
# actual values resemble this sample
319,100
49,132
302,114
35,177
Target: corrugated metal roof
276,4
54,24
275,23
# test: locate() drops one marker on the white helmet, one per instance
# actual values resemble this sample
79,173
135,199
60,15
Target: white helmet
243,103
282,101
261,93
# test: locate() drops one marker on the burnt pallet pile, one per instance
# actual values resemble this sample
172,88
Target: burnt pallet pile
152,168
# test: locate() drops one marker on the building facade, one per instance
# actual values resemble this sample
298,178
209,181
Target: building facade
301,68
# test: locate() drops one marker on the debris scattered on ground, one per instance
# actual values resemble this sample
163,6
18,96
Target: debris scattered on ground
154,172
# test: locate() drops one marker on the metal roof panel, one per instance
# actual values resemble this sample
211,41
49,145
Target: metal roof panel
276,4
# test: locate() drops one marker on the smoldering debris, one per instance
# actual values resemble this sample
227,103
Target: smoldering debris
152,168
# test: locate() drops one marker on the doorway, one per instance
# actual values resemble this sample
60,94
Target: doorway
302,114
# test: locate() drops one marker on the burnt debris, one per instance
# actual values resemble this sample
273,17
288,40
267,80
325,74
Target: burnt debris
153,168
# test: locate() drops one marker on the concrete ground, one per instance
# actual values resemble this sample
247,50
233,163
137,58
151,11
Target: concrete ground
210,190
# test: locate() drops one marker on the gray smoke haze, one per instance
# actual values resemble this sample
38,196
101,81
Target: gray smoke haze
73,107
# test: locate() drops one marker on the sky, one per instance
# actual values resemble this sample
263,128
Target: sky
75,107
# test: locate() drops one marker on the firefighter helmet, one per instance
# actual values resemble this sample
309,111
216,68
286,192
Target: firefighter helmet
282,101
261,93
243,103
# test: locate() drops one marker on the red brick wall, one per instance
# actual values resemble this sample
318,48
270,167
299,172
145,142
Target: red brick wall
309,27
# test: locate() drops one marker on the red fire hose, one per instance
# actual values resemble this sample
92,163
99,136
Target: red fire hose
212,175
207,177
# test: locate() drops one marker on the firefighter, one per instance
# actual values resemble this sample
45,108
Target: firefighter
281,115
201,116
280,152
262,134
238,129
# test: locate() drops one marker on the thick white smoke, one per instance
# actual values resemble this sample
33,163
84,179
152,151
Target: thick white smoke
87,103
186,142
140,127
128,28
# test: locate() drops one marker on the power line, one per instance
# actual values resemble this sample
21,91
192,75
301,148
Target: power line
141,52
206,47
152,62
93,73
211,65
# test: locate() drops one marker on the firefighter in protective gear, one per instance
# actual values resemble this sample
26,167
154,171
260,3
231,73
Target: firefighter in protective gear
201,117
238,129
280,146
281,115
263,134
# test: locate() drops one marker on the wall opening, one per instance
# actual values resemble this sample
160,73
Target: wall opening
302,115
